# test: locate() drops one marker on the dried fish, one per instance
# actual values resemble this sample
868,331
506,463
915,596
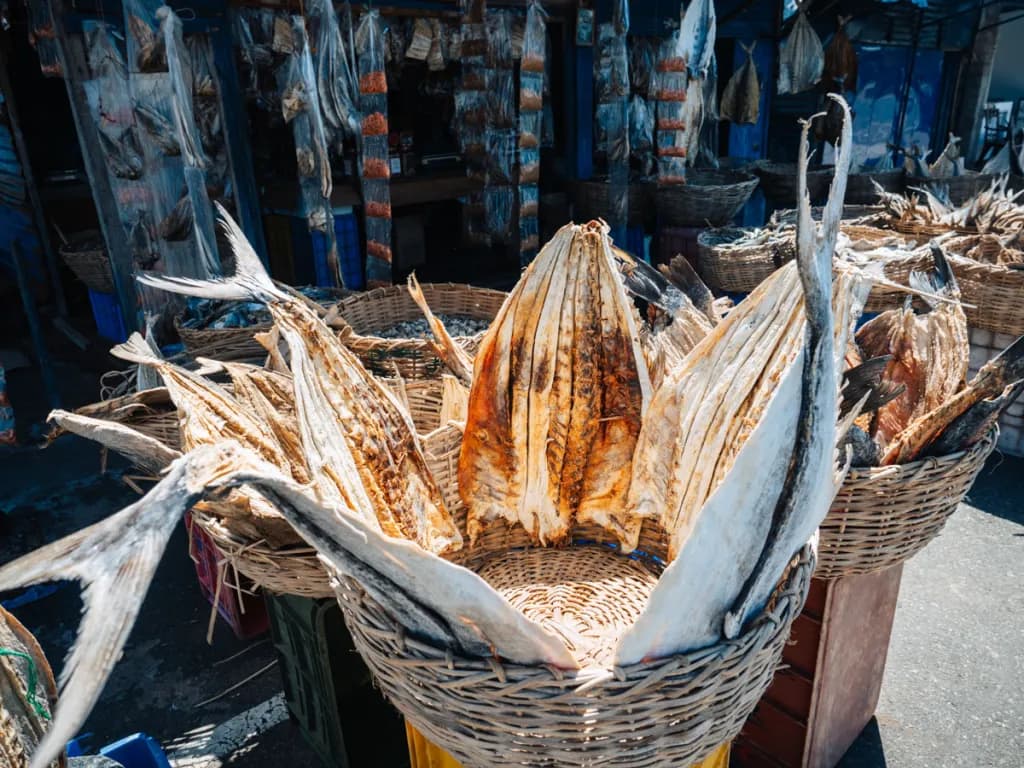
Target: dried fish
177,225
159,128
454,356
840,70
359,443
559,390
802,58
152,55
741,100
124,157
929,352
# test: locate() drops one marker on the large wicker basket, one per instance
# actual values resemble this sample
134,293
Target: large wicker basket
959,188
778,181
665,712
362,315
727,267
591,202
709,198
86,256
860,187
883,516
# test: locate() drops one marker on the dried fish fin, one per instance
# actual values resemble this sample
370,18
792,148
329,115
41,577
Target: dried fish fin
140,449
115,559
454,356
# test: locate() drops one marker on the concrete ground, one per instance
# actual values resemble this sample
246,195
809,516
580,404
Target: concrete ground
952,694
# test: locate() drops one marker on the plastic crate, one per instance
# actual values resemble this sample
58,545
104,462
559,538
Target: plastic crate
106,310
245,613
135,751
328,689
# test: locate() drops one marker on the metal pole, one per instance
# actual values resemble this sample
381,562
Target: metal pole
902,116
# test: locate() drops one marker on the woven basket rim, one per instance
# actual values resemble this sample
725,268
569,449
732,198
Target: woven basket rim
720,651
912,468
375,294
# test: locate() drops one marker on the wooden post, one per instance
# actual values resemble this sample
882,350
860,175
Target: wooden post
73,62
977,76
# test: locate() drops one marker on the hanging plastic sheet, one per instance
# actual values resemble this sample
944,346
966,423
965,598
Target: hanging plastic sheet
641,134
531,104
502,136
373,104
471,119
801,59
642,52
697,37
300,106
335,65
179,67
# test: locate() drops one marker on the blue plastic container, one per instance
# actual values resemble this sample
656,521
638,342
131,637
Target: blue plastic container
137,751
106,310
350,254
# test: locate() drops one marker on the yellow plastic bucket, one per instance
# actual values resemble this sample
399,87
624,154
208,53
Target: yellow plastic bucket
423,754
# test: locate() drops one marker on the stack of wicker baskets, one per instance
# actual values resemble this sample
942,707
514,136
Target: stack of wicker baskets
709,198
150,412
883,516
363,315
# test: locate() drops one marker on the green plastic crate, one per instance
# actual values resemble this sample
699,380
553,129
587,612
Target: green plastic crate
328,688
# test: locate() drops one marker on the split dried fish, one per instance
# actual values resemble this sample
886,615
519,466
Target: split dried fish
177,225
453,355
741,100
559,390
802,57
159,129
929,352
360,445
124,157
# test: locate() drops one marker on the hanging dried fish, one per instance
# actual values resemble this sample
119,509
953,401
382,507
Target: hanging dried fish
159,129
840,71
949,162
177,225
124,157
741,101
152,53
337,83
801,59
559,390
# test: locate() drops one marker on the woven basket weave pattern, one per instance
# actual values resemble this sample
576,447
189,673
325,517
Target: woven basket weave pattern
373,311
735,269
92,267
883,516
225,344
778,180
708,198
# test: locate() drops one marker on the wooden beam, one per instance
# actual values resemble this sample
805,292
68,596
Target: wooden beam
73,62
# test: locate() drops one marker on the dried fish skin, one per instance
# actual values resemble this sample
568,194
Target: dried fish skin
560,386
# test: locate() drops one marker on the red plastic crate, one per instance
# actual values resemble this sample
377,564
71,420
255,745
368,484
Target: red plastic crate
245,613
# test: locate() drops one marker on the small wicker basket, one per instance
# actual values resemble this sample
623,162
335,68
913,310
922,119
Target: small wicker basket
727,267
709,198
860,187
778,180
364,314
86,256
591,202
883,516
